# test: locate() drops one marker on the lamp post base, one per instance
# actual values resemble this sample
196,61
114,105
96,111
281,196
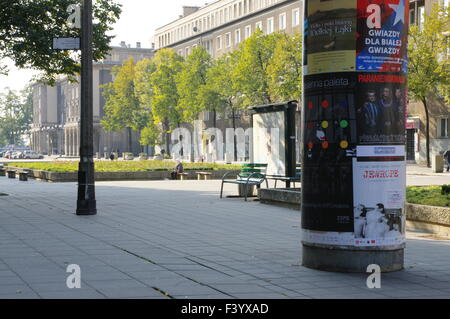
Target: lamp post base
86,207
351,261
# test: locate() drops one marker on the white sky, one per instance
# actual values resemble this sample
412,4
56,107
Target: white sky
137,23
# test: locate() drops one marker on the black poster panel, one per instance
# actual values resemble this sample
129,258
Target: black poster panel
330,144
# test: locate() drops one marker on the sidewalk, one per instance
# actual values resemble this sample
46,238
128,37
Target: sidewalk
172,239
418,175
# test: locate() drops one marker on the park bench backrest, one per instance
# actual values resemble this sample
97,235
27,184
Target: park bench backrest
258,171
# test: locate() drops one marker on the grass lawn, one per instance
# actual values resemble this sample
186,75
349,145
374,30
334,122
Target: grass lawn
427,195
124,166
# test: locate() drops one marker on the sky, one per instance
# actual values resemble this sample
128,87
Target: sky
137,23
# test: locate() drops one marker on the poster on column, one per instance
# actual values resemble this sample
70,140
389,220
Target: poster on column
381,108
382,36
379,175
330,38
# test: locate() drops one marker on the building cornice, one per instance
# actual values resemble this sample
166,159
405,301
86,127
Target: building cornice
230,23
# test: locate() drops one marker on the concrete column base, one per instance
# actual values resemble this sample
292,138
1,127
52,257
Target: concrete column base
351,261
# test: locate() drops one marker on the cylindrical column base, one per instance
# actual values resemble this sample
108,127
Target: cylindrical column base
351,261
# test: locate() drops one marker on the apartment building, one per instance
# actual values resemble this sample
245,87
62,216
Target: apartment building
439,111
56,110
222,25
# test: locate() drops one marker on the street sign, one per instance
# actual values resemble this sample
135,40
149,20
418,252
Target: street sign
66,43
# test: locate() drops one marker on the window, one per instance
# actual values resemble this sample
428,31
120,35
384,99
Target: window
443,125
295,17
282,24
269,25
228,40
219,43
186,51
247,31
237,36
258,25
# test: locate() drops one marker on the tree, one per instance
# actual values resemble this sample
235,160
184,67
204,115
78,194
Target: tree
27,29
16,111
429,62
122,105
150,133
222,89
164,97
285,69
252,61
190,81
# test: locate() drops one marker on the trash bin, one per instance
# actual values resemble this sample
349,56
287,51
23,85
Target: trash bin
251,190
437,164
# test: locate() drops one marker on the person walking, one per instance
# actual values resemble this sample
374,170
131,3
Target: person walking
447,158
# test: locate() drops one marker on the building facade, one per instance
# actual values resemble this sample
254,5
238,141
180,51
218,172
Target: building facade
222,25
439,111
56,110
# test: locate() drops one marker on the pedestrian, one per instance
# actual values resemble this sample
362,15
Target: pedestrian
178,169
447,158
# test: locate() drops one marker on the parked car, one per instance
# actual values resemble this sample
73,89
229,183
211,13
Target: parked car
32,155
8,154
17,155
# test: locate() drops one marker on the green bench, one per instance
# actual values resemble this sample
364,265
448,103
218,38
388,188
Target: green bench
251,174
296,179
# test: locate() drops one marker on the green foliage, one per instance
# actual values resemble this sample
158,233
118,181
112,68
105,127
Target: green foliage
428,56
164,97
28,27
445,190
123,166
190,81
220,90
427,195
250,74
16,111
122,107
285,69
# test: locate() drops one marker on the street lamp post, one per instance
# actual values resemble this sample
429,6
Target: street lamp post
86,203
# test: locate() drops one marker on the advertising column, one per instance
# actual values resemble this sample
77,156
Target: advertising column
354,165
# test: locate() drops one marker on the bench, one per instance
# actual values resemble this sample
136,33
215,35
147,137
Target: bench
288,179
250,175
182,175
205,175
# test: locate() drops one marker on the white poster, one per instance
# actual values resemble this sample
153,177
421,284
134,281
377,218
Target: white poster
269,141
379,196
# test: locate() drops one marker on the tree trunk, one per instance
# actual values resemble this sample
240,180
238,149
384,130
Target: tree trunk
166,134
214,118
130,140
427,133
234,134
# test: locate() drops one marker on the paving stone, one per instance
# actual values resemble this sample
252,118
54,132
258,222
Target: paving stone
141,239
